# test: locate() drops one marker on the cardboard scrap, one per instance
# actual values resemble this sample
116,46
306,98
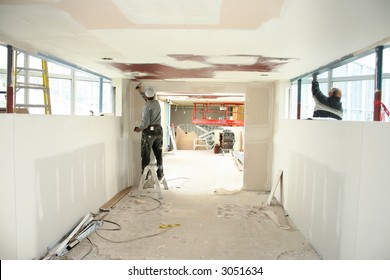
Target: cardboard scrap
185,140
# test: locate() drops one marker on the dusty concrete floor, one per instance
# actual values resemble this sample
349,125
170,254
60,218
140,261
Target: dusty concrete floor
202,222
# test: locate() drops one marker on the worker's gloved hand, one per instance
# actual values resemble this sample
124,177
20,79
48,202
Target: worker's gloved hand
136,129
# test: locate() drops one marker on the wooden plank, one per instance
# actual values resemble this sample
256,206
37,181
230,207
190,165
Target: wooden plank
114,200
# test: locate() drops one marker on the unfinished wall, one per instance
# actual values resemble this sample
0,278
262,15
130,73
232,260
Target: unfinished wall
57,169
258,126
258,137
373,226
335,184
7,191
122,110
181,115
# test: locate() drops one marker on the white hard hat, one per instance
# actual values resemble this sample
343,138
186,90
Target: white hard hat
149,92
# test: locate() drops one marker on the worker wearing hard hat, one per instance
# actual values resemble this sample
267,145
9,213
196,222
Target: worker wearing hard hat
152,133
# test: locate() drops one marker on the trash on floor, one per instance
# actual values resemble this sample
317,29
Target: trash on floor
225,191
139,201
275,212
169,225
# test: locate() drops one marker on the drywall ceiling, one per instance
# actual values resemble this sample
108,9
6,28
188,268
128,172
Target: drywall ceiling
201,40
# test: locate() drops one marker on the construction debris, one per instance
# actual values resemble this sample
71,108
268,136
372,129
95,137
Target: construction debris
139,201
85,227
275,212
169,225
225,191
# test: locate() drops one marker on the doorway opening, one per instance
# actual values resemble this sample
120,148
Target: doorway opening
204,142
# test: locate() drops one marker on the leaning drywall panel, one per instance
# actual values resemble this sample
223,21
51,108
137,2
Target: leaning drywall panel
65,167
321,164
373,229
8,242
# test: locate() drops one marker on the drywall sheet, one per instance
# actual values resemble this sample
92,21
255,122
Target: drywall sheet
65,167
373,229
8,242
256,163
258,138
321,181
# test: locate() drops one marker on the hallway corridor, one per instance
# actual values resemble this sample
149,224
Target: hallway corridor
204,215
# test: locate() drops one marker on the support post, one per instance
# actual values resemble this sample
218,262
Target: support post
377,105
378,83
10,86
299,99
100,95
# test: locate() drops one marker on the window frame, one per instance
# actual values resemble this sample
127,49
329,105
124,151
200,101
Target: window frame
102,89
367,78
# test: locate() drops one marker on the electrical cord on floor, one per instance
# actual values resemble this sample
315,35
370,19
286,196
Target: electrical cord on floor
111,222
130,240
149,210
91,249
119,227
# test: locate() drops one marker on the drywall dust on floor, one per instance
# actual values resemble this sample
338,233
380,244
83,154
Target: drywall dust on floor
192,222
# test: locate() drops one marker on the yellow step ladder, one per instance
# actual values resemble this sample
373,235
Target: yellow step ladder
21,82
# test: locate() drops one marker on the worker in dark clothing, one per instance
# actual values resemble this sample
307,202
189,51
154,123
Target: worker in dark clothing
152,133
326,107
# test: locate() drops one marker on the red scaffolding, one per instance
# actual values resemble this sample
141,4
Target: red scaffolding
220,114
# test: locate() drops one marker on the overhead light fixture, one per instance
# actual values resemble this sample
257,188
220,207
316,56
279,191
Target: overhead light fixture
107,58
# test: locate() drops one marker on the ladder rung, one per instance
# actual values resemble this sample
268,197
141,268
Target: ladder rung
29,69
44,86
32,105
31,86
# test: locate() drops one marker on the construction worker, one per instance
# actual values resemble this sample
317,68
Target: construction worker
326,107
152,132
